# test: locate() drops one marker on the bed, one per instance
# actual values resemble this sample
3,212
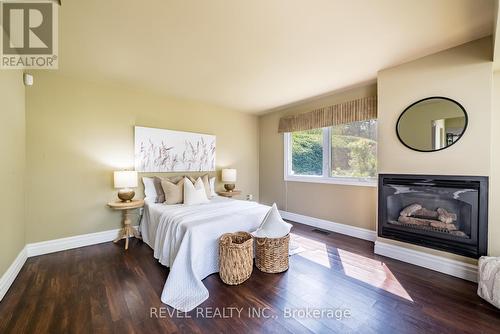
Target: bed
185,239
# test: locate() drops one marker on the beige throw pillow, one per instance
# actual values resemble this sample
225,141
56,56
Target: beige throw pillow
175,179
174,193
160,195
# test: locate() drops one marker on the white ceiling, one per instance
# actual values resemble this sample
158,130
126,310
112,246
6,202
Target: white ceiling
257,55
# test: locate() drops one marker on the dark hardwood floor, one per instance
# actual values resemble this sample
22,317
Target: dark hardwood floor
336,284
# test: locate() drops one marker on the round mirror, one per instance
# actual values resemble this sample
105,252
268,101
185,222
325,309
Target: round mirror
432,124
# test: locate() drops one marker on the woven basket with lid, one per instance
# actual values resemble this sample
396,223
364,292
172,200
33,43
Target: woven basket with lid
235,257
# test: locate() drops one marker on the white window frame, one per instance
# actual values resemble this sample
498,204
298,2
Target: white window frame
326,177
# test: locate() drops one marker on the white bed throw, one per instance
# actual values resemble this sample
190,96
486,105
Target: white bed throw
185,239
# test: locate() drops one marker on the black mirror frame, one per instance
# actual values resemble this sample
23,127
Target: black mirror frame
425,99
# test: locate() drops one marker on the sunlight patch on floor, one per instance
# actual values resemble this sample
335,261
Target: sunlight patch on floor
317,256
362,268
372,272
314,251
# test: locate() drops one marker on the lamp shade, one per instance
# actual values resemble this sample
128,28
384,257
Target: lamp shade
125,179
229,175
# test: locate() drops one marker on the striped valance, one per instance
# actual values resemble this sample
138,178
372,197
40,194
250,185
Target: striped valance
347,112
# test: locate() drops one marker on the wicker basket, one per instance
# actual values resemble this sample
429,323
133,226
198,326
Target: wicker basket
271,254
235,257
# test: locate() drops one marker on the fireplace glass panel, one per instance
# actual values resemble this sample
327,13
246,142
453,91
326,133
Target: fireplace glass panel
446,212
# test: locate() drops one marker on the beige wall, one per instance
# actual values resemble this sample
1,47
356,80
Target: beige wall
351,205
494,226
463,73
78,132
12,166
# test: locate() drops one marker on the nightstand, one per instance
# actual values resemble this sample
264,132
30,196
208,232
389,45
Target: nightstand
125,207
229,193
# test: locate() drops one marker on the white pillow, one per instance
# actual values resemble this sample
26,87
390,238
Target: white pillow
273,226
211,181
149,189
194,194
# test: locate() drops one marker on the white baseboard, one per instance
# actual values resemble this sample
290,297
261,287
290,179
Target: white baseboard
52,246
438,263
10,275
353,231
57,245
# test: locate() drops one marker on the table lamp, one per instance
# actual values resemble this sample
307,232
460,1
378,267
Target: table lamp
229,177
125,180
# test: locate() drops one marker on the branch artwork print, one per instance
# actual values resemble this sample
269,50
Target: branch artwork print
159,150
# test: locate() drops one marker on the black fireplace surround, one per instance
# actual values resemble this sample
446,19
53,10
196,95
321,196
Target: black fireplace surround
448,213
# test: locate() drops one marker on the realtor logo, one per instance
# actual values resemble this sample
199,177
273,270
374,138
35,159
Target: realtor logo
29,35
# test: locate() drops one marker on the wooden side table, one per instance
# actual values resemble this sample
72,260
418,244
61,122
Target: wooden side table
229,193
125,207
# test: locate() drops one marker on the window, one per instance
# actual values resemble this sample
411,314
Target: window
307,152
354,149
345,154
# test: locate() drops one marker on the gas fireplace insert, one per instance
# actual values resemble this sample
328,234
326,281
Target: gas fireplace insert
447,213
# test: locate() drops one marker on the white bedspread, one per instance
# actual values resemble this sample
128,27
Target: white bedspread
185,239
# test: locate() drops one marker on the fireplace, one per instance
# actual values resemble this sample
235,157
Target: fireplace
448,213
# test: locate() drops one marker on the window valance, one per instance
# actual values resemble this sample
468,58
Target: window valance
352,111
